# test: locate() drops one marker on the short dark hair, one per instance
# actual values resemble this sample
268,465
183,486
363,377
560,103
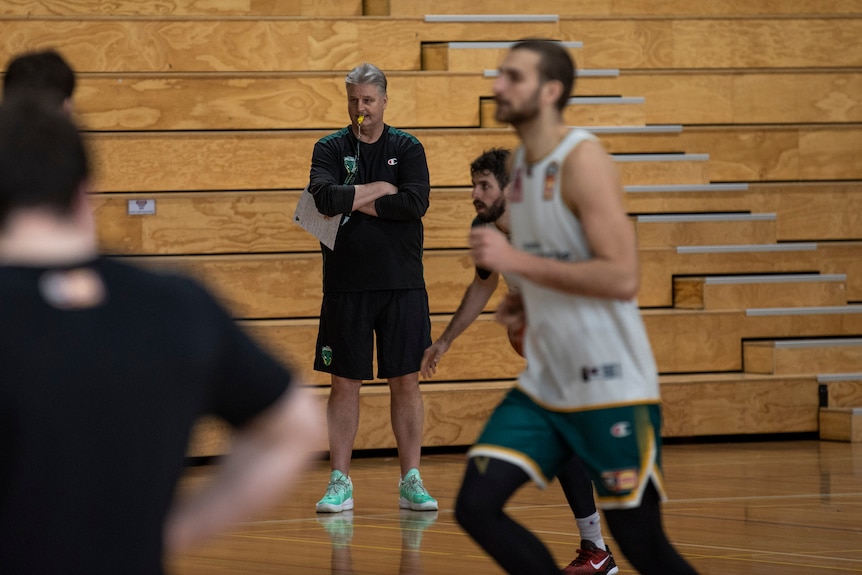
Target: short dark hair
494,161
43,160
554,64
45,72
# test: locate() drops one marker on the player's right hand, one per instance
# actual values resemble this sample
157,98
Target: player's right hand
431,357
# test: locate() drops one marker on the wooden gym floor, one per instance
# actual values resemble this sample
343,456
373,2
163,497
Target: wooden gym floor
789,507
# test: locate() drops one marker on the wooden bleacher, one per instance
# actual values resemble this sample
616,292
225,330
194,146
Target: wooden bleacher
672,230
269,100
257,160
840,414
257,221
735,126
802,356
627,8
753,291
250,160
173,8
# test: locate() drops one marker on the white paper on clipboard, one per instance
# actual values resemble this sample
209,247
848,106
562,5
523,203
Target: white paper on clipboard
324,228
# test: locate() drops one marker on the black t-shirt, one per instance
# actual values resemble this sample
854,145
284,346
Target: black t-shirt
372,253
96,409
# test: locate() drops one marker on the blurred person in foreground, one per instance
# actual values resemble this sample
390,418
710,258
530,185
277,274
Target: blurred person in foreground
104,369
44,74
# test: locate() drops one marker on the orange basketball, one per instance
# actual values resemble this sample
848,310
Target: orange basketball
516,338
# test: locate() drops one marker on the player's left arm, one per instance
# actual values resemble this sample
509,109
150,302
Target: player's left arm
593,191
591,188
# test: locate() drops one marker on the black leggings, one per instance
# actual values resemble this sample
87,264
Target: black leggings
641,538
479,510
638,532
578,487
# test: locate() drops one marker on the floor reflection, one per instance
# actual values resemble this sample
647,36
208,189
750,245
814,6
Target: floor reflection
340,526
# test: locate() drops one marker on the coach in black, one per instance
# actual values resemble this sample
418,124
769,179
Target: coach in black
375,179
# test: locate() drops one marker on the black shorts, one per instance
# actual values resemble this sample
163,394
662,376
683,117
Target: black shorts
349,322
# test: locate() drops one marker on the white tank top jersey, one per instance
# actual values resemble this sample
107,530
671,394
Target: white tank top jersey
582,352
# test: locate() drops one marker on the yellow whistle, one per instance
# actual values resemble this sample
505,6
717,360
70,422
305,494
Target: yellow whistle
359,120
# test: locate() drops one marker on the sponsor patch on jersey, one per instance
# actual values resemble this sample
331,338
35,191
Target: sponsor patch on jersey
590,373
620,480
326,355
392,161
551,174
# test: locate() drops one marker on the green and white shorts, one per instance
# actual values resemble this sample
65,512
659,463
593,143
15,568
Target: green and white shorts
620,446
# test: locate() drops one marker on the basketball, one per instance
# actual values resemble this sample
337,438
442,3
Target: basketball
516,338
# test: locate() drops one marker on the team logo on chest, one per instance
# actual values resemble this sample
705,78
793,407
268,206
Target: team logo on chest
517,194
551,174
350,166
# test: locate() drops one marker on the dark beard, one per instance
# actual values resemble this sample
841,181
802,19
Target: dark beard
530,111
493,213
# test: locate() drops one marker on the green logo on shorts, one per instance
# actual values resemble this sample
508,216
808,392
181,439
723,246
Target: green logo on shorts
326,355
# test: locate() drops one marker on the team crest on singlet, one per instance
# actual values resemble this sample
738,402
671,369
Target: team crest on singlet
517,194
326,355
551,173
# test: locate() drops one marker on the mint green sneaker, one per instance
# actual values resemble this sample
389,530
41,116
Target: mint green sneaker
413,494
339,494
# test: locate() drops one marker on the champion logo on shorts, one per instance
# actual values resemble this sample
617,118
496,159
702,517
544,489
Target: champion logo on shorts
326,355
392,161
621,429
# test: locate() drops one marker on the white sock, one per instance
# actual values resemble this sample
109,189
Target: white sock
591,529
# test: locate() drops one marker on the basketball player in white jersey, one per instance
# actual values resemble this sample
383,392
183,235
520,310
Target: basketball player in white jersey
590,385
490,176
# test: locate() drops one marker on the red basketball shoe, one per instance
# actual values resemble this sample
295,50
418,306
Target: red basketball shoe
592,561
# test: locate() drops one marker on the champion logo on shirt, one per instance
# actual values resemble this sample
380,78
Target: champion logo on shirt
392,161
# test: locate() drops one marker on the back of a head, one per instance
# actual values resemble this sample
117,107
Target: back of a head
43,160
367,74
554,64
46,73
